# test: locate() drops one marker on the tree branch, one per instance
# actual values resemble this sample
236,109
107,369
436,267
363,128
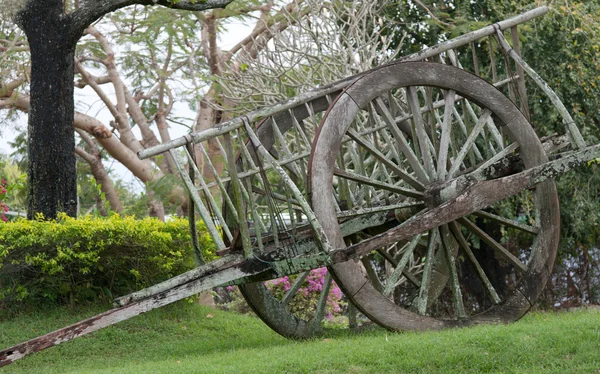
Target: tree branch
90,11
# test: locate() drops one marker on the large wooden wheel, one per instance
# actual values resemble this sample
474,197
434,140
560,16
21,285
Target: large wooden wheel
286,135
405,139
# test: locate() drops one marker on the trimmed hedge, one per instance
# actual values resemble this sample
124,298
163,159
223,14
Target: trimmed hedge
86,259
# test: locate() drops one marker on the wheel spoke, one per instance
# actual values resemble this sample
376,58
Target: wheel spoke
473,228
445,137
469,143
421,301
508,222
456,292
367,181
463,129
410,155
490,125
389,258
409,179
322,303
289,295
371,273
467,249
393,279
422,137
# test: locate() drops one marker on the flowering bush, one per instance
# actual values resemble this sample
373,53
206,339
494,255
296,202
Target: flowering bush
305,301
3,206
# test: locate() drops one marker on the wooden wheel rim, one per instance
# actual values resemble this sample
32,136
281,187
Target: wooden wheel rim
327,145
260,299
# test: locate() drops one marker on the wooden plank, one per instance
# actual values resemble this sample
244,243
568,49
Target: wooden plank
473,198
216,209
228,272
198,256
237,196
208,221
378,209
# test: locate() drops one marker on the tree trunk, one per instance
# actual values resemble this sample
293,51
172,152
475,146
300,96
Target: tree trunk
51,171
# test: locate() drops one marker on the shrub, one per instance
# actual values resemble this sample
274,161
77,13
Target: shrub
3,206
85,259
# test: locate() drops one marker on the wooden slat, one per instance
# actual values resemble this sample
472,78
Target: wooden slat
469,142
456,291
497,247
467,249
399,137
370,182
422,300
399,270
445,136
507,222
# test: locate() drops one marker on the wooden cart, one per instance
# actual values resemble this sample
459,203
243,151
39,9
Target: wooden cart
399,180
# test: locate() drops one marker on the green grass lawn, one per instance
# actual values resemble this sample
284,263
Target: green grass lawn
187,338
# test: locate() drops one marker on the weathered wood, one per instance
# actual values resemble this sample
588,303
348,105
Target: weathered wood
399,270
238,202
573,131
371,148
459,197
497,247
219,275
377,209
319,234
198,256
204,213
193,170
370,182
467,249
469,142
422,300
179,280
289,295
334,87
474,198
402,142
450,259
521,81
446,132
